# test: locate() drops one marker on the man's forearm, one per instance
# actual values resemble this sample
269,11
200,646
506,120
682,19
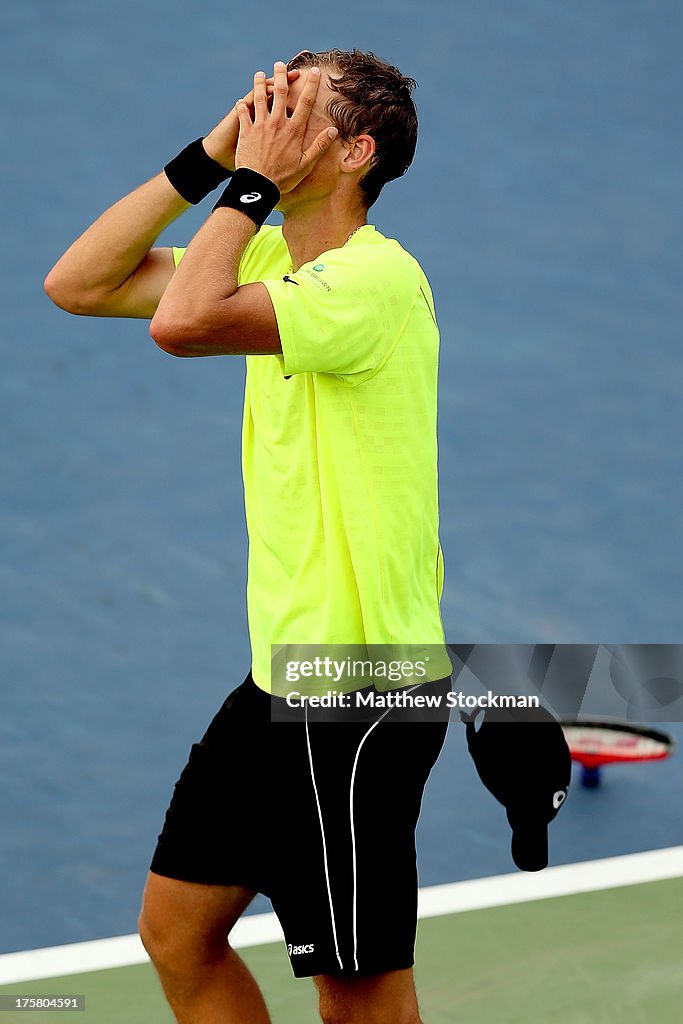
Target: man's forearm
105,256
195,311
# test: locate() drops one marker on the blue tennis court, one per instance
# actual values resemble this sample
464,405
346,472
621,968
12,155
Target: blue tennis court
544,205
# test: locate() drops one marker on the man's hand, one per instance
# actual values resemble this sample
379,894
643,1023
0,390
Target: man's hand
272,143
221,143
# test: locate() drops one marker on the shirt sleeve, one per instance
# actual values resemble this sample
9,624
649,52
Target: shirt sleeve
344,312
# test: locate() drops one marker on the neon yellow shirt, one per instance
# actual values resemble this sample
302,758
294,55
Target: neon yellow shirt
339,451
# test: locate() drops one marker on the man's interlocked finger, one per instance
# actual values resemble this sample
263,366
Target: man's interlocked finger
260,99
306,101
280,89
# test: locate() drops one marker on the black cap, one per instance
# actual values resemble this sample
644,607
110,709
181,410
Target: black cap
522,757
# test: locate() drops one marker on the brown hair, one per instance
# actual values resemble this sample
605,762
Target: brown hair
374,99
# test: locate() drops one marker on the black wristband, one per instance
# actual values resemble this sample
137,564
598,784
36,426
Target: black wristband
193,173
252,193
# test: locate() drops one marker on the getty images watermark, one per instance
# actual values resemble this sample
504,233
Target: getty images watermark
632,682
364,670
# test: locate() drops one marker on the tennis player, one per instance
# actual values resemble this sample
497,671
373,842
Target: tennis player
340,474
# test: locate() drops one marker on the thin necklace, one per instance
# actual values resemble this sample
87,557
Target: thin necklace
291,265
353,232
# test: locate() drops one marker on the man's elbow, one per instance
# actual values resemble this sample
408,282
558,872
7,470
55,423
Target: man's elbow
172,336
191,336
69,297
57,290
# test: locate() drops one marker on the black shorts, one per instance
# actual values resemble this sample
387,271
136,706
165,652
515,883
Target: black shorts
319,814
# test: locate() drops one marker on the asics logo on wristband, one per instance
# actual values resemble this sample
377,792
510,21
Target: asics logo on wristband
250,197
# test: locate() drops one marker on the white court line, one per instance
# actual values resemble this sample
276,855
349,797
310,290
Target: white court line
434,901
565,880
122,951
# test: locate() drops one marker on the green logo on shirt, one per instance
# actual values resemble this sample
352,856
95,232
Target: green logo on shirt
319,267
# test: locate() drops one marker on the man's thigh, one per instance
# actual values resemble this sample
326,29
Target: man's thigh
189,914
387,998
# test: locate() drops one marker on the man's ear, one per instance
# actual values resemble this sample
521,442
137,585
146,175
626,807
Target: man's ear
360,153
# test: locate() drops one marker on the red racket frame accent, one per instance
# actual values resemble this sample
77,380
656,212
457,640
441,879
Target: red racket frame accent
596,759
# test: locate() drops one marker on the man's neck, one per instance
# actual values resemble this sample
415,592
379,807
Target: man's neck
311,230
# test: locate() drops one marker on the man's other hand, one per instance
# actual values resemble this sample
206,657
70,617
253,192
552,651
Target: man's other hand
221,142
273,142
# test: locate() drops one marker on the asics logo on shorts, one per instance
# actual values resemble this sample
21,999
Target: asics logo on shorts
559,798
298,950
250,197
